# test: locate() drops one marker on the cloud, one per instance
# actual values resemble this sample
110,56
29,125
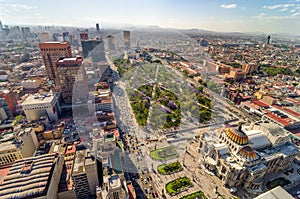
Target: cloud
278,6
283,9
264,16
228,6
21,6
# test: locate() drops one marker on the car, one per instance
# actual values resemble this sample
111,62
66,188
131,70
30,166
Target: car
148,191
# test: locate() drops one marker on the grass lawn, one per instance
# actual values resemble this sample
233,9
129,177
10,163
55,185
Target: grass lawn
278,182
175,186
198,194
169,168
166,153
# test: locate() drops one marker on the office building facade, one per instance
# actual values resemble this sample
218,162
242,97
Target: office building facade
51,52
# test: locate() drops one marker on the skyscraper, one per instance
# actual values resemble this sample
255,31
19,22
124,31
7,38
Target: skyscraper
66,36
84,36
44,37
51,52
1,26
268,39
111,42
72,73
89,45
97,27
126,35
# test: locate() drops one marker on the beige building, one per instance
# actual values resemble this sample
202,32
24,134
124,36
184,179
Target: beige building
242,157
250,68
17,145
113,187
33,177
38,105
85,174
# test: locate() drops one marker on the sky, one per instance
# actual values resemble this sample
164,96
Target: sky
268,16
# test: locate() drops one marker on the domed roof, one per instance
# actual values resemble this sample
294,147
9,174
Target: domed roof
238,137
248,153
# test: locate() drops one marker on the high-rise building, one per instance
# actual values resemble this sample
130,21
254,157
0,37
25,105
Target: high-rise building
1,26
44,37
85,174
89,45
66,36
111,42
268,39
51,52
84,36
8,102
126,34
97,27
25,31
71,73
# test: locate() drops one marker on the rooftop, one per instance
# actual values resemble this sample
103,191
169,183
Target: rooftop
276,193
38,99
28,177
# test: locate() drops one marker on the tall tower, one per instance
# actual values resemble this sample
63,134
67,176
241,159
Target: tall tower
44,37
111,42
1,26
51,52
89,45
72,74
97,27
84,36
268,39
126,34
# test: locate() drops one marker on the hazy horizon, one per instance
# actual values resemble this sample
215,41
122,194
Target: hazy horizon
220,16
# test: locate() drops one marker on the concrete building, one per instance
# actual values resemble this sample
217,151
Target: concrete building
33,177
84,36
30,84
275,193
89,45
44,37
8,102
250,68
17,145
51,52
243,157
111,42
236,75
37,105
113,187
71,73
103,98
85,174
97,28
126,35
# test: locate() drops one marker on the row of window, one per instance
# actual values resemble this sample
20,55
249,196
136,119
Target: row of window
9,158
53,49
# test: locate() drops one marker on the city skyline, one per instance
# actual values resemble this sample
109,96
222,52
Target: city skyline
225,16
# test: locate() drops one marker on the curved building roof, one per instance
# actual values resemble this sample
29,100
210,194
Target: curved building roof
248,153
238,137
258,138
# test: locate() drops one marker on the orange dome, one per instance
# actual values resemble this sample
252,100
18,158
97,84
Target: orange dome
238,137
248,153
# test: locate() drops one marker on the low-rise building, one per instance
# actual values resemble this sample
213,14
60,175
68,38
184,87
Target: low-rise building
243,157
33,177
